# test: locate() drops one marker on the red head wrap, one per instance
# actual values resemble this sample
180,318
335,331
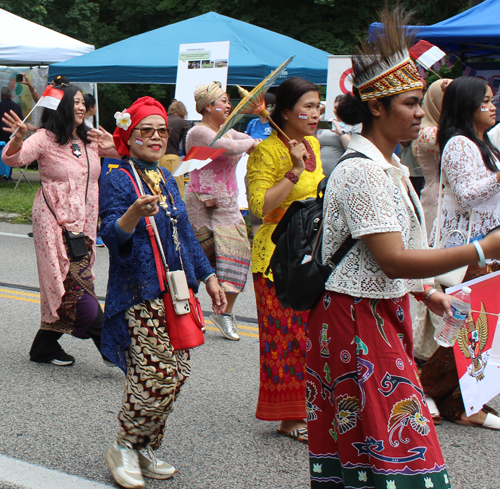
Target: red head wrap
141,108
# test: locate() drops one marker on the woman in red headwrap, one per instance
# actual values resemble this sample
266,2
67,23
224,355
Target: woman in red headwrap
135,335
65,205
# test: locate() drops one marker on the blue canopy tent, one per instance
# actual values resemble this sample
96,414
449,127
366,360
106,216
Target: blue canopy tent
475,32
152,57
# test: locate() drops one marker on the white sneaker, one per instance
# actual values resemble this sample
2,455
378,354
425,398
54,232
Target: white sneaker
153,468
124,465
227,325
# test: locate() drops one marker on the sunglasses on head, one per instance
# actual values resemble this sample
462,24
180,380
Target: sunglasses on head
147,132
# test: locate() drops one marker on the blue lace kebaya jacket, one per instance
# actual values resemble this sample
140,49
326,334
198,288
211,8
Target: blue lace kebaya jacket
132,270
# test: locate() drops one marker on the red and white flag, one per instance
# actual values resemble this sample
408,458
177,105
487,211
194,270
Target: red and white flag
426,54
50,98
197,158
475,351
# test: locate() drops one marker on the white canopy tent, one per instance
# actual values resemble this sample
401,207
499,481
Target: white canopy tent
25,43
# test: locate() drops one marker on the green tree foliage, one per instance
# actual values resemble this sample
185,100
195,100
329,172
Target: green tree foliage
334,26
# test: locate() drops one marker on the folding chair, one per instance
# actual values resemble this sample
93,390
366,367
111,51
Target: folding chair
22,171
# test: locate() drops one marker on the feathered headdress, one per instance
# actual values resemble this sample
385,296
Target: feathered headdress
382,66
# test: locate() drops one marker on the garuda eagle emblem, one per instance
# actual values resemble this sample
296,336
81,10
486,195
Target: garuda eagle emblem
472,340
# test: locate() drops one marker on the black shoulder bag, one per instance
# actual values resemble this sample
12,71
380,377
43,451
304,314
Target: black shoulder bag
297,262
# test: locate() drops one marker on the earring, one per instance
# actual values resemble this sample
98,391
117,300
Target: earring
208,111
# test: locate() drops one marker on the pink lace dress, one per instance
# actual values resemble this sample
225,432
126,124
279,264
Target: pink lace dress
64,180
221,231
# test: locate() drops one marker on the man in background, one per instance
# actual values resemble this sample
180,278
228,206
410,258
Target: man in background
6,105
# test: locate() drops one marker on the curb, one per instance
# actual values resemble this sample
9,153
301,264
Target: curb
8,216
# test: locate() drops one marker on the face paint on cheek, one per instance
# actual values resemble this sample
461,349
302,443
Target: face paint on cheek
302,115
484,108
139,141
219,109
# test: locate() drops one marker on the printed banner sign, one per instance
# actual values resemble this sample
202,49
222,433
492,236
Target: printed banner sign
200,63
479,377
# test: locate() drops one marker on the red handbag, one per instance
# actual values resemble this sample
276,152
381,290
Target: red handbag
184,330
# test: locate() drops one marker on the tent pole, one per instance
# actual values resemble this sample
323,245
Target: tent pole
96,106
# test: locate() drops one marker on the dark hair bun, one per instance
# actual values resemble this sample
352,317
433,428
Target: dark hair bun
352,111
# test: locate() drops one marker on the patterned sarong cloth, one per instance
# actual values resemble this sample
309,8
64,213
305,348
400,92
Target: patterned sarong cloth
229,253
282,336
78,281
367,421
155,375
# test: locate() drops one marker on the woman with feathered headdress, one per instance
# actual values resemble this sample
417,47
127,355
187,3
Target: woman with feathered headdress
368,422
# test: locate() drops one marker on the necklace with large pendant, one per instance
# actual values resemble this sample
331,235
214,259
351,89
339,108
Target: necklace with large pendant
75,149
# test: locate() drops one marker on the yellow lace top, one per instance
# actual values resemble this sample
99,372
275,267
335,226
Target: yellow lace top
267,165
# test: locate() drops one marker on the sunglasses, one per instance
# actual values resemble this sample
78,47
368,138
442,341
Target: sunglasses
147,132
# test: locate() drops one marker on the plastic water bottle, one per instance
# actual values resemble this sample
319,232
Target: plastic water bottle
447,333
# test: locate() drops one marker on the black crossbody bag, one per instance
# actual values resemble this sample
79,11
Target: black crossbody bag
77,242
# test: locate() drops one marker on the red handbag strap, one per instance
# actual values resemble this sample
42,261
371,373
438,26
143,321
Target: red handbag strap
162,276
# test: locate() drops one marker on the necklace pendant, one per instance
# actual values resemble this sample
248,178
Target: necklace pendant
75,149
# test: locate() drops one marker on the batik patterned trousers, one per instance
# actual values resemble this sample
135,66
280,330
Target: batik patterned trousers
155,375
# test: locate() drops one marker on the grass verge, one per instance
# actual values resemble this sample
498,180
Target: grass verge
19,201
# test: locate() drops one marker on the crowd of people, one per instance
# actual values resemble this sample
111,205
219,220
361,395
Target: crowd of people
324,373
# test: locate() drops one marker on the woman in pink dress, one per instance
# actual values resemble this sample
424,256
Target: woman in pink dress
67,203
212,200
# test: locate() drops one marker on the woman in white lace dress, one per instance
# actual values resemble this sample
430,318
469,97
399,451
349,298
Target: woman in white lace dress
471,187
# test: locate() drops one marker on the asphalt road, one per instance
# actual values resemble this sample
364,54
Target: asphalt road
64,419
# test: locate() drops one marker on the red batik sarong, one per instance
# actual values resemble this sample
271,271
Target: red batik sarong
369,426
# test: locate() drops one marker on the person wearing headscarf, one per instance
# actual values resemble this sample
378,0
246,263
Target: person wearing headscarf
212,200
368,422
426,149
135,332
66,203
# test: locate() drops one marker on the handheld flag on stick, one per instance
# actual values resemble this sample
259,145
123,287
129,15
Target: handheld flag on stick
51,97
196,159
426,54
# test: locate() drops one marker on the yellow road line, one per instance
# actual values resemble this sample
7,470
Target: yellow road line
25,299
19,292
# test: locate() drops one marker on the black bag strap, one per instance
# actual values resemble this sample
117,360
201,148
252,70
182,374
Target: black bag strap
86,189
347,245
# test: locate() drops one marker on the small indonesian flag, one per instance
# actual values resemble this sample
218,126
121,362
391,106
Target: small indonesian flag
426,54
197,158
50,98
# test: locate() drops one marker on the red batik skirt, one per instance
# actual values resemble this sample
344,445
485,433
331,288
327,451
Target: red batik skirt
282,336
369,426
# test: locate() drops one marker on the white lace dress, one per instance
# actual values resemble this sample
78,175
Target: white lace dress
468,184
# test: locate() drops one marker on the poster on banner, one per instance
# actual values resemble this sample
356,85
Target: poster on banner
200,63
338,81
479,377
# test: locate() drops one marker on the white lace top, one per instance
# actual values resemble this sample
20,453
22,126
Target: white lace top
367,196
468,184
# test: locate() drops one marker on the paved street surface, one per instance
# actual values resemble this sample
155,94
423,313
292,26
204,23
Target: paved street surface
57,423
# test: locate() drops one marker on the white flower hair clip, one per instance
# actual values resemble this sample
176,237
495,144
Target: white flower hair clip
123,120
